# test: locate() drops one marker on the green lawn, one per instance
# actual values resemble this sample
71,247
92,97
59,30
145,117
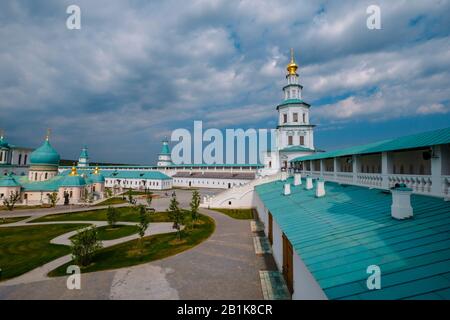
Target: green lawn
25,248
154,248
116,232
236,213
127,214
111,201
11,220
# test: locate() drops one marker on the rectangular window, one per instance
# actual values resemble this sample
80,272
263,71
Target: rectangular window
302,140
284,118
290,140
304,118
295,117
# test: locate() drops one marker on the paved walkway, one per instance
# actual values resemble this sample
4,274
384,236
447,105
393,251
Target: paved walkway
223,267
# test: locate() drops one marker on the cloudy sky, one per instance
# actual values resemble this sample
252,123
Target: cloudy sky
139,69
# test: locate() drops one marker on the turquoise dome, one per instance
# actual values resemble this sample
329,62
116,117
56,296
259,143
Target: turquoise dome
97,178
45,155
3,143
73,181
8,181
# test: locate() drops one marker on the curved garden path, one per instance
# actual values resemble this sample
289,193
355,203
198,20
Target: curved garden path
224,266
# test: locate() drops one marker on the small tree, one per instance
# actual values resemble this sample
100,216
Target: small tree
195,204
177,215
84,246
53,198
11,201
130,196
112,215
108,192
149,198
142,226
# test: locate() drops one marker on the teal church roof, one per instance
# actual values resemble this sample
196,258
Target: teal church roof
424,139
84,153
45,155
8,181
144,175
165,150
339,235
297,149
73,181
3,143
52,184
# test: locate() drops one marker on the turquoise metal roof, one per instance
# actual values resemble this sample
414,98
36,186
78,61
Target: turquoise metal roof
293,101
297,149
339,235
84,153
73,181
49,185
122,174
45,155
3,143
231,165
165,150
424,139
8,181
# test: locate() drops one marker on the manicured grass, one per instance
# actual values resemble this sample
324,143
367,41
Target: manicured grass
11,220
116,232
127,214
236,213
111,201
154,248
25,248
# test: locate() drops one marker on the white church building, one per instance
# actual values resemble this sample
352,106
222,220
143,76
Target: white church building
294,135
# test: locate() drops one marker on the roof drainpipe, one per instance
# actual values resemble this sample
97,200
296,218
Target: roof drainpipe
309,183
297,179
287,189
320,188
401,202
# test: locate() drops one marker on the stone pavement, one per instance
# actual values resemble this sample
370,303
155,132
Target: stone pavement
224,266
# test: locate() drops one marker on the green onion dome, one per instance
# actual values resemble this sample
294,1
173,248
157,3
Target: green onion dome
45,155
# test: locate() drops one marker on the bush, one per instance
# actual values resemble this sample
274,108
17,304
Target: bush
112,215
84,246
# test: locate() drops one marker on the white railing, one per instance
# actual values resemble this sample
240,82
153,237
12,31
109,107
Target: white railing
419,183
369,179
346,177
446,185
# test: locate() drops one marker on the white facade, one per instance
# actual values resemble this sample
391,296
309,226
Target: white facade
294,136
138,184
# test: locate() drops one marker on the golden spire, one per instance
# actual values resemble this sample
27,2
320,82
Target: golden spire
96,171
292,66
73,171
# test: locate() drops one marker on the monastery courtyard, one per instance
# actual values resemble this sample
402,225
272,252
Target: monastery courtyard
225,266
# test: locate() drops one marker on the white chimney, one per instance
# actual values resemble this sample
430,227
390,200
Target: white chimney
283,175
297,179
287,189
320,187
401,202
309,183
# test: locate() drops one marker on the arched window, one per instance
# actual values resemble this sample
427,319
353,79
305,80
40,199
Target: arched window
35,176
20,159
46,175
304,118
25,159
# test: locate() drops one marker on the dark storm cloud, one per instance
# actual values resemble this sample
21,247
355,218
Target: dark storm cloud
138,69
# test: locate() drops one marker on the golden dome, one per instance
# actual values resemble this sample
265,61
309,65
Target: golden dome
292,66
73,171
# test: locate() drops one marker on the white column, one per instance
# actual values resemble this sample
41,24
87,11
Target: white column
335,168
386,165
321,167
436,171
355,165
